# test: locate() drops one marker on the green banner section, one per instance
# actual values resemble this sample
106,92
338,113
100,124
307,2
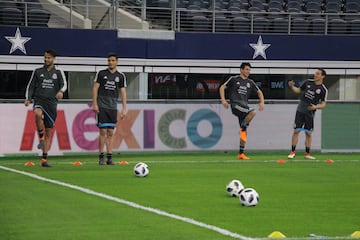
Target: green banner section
341,126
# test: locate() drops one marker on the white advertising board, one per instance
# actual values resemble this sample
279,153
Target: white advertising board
153,127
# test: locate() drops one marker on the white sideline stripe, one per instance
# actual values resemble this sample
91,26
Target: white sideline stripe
131,204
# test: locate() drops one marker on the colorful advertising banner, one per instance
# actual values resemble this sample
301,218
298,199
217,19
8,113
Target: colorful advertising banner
151,127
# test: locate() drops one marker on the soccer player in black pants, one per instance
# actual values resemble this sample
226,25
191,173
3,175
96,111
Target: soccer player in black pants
314,96
46,86
239,89
108,83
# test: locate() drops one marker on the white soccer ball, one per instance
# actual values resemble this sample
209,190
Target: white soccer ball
141,169
234,187
249,197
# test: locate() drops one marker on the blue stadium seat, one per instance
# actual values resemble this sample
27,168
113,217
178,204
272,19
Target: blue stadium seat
318,25
299,25
355,26
294,6
275,6
280,25
313,7
201,24
38,17
222,24
261,25
11,16
241,24
333,8
337,26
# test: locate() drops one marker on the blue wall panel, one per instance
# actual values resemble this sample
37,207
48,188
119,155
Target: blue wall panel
97,43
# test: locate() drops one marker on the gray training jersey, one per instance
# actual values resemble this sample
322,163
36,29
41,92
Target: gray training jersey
110,84
311,94
239,90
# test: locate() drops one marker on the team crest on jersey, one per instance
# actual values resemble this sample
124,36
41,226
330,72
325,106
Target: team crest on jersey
41,75
248,85
105,77
308,86
318,91
117,79
54,76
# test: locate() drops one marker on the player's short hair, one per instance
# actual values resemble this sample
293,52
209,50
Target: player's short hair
51,52
245,64
323,72
113,55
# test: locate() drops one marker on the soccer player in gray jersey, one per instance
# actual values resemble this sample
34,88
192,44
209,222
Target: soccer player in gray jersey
314,96
239,89
108,83
46,86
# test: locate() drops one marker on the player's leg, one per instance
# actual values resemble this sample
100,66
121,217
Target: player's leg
38,112
49,117
309,125
109,145
47,138
243,133
102,137
298,124
249,115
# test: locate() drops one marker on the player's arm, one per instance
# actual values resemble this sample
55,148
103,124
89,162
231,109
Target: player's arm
222,96
319,106
123,101
30,89
95,96
261,100
293,88
63,85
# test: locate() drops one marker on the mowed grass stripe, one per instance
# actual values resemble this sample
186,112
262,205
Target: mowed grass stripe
130,204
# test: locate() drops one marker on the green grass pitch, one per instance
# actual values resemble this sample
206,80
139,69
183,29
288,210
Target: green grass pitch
298,197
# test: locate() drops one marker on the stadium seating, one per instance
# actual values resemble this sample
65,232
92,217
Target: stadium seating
13,13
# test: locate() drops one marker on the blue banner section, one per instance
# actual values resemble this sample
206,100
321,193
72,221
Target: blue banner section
98,43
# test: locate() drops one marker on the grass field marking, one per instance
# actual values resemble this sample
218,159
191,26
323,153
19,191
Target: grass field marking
131,204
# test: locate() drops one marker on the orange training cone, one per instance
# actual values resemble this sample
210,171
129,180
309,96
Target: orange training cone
124,162
29,164
77,163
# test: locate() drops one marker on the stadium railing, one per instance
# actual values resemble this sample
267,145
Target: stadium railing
140,15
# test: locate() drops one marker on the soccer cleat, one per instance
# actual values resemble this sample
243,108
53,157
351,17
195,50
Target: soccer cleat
102,161
41,143
110,162
243,135
291,155
44,163
242,156
308,156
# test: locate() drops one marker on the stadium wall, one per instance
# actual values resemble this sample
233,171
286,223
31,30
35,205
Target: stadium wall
153,127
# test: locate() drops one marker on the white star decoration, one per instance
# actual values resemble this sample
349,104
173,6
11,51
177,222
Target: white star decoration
18,42
259,48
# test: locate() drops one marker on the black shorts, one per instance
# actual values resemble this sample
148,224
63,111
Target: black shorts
304,122
49,112
241,113
107,118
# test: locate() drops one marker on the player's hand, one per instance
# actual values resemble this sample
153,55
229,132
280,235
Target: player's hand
27,103
291,83
261,106
96,108
59,95
225,104
312,107
123,114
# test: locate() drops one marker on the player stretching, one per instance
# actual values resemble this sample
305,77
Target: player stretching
108,83
314,96
47,85
239,89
